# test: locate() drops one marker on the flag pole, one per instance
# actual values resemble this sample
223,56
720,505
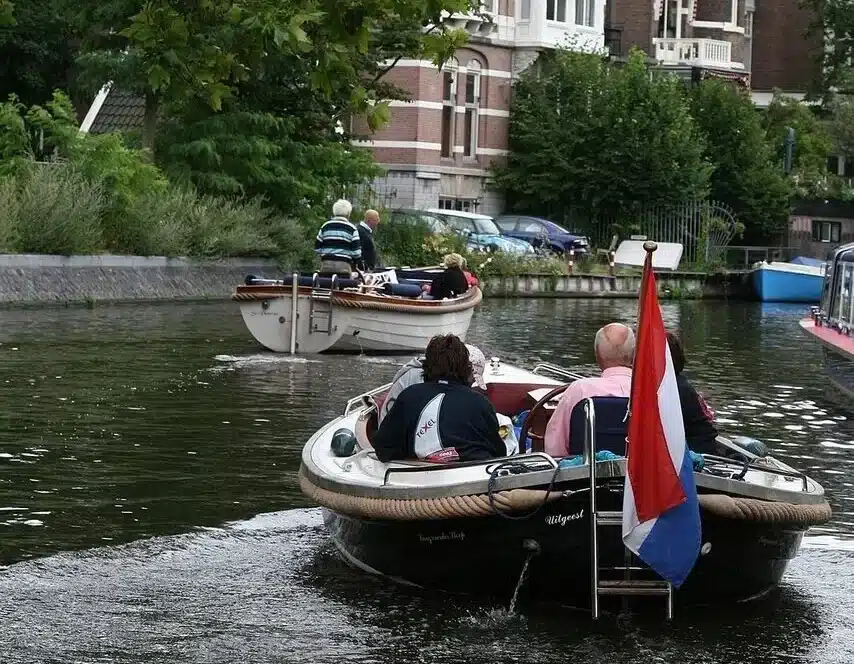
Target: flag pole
649,246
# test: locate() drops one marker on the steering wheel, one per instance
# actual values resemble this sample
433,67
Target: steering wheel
538,440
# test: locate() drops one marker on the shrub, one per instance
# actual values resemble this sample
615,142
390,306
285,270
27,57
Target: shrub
57,211
409,241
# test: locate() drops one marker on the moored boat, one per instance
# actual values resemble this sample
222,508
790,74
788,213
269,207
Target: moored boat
832,322
379,313
472,527
798,281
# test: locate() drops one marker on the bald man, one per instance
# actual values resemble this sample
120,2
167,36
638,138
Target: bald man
366,236
614,347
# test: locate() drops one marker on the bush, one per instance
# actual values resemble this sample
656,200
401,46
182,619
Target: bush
410,242
52,209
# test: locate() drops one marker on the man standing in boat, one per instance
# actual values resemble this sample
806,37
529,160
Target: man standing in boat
366,238
338,243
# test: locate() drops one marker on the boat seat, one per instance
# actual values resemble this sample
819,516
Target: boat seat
612,425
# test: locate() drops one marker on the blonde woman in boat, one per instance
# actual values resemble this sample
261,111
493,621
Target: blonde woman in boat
450,282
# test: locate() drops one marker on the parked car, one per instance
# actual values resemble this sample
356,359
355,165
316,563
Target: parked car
481,232
542,233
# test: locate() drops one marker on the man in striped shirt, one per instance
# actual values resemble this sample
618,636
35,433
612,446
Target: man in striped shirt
338,242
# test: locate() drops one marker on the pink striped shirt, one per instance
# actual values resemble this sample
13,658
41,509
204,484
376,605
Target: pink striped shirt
614,382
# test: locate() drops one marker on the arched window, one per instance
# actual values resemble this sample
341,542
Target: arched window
472,101
449,102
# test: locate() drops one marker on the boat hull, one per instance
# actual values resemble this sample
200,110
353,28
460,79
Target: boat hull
742,560
350,329
838,355
785,284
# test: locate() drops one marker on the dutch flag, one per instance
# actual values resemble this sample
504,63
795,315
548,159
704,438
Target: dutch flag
661,516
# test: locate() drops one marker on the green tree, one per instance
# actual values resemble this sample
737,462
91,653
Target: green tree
813,144
36,52
747,175
177,53
607,141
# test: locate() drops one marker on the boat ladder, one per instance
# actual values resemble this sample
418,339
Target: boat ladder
320,306
630,568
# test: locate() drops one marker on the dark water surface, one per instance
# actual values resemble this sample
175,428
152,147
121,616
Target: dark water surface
149,510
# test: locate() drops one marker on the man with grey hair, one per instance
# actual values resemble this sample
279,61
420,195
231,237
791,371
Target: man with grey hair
338,243
614,347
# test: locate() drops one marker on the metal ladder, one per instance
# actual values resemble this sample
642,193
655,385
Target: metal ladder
626,586
320,306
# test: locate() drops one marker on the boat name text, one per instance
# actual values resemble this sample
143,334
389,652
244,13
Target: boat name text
562,519
453,535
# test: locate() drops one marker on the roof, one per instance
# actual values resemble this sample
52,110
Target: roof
116,110
457,213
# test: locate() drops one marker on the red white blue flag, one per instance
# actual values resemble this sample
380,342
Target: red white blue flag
661,516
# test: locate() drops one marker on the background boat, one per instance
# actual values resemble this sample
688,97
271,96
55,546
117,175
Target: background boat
800,280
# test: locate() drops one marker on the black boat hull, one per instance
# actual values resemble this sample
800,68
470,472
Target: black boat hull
741,560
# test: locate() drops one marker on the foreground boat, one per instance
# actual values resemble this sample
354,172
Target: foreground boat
380,313
798,281
471,527
832,323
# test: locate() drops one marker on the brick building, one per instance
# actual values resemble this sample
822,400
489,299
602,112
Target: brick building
438,147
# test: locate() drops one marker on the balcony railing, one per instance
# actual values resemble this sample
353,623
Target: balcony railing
696,52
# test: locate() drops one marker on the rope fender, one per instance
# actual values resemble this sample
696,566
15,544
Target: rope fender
449,507
764,511
384,304
519,500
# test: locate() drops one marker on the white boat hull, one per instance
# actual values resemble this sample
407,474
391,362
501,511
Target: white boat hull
357,328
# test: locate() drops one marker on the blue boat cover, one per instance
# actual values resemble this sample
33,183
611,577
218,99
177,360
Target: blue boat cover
804,260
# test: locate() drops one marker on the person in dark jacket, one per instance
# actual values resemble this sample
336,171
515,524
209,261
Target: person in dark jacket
442,419
366,237
698,418
450,282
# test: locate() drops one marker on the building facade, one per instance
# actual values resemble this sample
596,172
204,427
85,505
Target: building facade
438,148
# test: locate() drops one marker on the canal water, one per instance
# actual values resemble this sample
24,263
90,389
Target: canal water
149,511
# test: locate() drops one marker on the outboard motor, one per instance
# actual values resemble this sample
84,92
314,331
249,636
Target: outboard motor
343,443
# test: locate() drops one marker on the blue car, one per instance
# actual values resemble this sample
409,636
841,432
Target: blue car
542,233
481,232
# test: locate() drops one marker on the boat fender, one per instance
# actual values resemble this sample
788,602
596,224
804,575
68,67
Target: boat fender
752,445
343,443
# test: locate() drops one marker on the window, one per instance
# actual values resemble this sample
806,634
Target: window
531,226
470,119
507,224
524,10
487,6
556,10
826,231
748,25
449,99
585,12
833,164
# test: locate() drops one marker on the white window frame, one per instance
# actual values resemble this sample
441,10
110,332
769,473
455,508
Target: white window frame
474,69
558,7
451,67
585,13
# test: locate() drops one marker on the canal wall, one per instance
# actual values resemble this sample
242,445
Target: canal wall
66,280
63,280
671,285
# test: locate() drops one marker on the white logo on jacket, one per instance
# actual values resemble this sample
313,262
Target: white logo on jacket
427,438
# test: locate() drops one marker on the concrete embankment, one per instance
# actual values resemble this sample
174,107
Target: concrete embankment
677,285
63,280
86,280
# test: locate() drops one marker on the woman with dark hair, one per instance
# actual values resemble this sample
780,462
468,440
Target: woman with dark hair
698,418
442,419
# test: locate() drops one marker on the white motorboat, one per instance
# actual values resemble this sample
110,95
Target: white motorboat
376,313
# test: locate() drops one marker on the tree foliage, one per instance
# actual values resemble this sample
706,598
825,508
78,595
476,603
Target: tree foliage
813,144
585,135
748,176
36,52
